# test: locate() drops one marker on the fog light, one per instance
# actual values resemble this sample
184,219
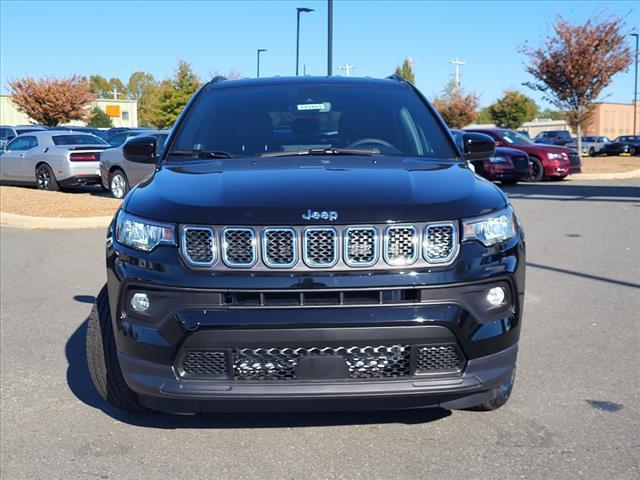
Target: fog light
140,302
496,296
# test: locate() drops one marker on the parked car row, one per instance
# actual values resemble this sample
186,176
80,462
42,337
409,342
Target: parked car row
59,157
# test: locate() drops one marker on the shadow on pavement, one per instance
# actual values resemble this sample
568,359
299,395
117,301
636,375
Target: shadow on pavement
85,299
573,193
584,275
82,387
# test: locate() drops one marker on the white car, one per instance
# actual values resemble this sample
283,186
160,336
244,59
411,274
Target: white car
591,145
51,159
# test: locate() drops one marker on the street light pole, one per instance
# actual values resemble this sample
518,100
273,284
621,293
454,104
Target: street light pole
635,88
300,10
260,50
329,36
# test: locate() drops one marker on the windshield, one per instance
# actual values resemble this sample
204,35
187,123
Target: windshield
513,138
257,120
77,140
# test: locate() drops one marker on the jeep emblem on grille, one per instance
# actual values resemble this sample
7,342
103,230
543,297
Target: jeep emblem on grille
332,215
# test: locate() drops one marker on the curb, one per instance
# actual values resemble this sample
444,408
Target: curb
49,223
606,176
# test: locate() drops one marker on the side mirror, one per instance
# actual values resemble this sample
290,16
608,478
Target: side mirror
477,146
140,149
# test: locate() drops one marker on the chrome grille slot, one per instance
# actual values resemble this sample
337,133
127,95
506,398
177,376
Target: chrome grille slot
320,247
360,246
440,242
199,246
238,247
279,247
401,245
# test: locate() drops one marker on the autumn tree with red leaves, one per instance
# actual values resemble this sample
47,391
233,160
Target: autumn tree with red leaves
51,101
457,108
575,63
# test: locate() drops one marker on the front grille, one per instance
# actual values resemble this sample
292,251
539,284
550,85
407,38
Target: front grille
401,245
342,247
440,242
361,246
320,247
198,245
205,362
281,363
574,158
369,362
439,359
520,161
238,247
279,247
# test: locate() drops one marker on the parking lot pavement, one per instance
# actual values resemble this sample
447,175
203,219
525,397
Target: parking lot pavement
575,411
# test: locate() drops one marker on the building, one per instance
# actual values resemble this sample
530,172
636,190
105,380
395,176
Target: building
614,119
123,113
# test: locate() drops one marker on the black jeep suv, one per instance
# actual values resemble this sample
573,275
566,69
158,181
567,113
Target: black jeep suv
309,243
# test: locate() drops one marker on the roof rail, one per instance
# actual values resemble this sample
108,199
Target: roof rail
218,78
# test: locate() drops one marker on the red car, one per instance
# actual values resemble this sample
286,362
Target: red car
547,161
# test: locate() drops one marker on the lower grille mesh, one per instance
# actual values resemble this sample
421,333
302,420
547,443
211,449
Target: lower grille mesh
363,362
281,363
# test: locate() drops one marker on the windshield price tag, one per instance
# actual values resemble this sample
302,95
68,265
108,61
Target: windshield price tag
321,107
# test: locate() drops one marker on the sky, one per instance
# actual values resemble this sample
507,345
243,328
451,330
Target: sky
116,38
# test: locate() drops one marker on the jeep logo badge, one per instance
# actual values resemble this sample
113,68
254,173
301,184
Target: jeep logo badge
332,215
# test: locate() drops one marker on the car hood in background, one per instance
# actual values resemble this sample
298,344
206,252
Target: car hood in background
278,191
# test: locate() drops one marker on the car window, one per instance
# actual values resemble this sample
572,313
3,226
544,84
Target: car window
249,121
513,138
162,138
22,131
589,139
33,142
20,143
77,139
6,134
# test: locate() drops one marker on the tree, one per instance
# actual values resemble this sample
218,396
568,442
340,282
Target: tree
99,86
173,94
51,101
456,108
512,110
99,118
143,88
483,116
406,70
115,84
575,63
552,114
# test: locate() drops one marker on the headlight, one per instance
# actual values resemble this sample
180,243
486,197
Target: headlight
143,234
498,159
491,229
554,156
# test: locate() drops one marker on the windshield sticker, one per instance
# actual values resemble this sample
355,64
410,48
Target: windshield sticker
321,107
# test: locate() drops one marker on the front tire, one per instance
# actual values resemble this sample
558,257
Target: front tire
537,170
118,184
45,179
102,358
503,392
592,152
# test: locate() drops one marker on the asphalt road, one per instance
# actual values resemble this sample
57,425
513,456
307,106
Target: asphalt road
575,411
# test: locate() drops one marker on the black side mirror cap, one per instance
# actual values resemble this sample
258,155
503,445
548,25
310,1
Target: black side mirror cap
140,149
477,146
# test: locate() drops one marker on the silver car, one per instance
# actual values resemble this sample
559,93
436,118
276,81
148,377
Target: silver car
591,145
118,174
52,159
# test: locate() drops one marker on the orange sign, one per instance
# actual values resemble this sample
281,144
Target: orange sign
113,110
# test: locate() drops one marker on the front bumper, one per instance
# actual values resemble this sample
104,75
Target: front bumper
218,312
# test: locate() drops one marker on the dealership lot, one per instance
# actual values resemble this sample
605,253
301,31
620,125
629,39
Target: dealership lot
575,411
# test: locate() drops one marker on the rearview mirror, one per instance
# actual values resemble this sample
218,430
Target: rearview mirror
140,149
477,146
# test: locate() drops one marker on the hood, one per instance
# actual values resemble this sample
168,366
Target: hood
537,147
508,151
278,191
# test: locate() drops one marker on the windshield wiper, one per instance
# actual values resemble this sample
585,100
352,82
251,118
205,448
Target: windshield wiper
201,153
324,151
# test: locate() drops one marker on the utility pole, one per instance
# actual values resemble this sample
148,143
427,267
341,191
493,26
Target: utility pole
457,62
260,50
329,37
635,89
347,67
